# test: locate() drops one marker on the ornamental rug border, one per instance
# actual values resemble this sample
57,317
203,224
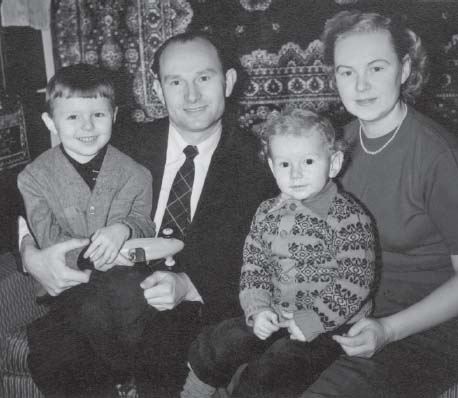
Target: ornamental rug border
122,36
14,149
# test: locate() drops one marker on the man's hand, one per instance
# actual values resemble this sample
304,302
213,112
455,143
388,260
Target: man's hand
105,246
365,338
165,290
265,323
48,266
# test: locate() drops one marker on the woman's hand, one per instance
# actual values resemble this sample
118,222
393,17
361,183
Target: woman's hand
366,337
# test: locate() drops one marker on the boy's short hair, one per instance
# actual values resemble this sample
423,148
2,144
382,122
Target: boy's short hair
298,122
79,80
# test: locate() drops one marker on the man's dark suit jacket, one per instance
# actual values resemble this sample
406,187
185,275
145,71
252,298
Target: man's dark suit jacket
236,183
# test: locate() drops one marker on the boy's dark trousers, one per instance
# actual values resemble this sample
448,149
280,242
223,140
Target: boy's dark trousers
98,324
273,364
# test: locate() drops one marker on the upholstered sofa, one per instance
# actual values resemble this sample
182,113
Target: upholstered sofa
17,308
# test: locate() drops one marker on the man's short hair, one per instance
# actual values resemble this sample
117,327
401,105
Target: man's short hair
79,80
223,56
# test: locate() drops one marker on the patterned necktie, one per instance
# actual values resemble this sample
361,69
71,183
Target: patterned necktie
178,212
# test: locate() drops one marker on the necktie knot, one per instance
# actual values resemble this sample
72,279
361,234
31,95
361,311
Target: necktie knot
191,152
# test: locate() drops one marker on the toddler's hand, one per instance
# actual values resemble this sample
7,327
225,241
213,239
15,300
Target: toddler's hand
105,246
265,323
294,330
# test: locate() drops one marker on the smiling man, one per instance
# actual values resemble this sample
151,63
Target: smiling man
207,184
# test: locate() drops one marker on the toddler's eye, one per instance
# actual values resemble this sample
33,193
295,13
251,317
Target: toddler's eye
308,161
284,165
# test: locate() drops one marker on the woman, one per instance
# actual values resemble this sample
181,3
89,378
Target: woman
404,168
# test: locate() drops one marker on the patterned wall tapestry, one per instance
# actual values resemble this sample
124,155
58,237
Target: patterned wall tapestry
276,41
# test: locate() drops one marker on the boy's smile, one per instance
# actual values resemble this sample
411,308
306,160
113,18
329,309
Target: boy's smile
82,124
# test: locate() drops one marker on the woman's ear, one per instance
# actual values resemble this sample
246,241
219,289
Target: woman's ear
336,163
406,68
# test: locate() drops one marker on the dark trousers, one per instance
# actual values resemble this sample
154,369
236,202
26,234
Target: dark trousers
420,366
99,333
273,364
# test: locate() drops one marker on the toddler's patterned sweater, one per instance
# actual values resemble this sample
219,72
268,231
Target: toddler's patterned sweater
314,258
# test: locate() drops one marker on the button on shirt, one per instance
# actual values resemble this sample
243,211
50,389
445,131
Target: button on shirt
175,159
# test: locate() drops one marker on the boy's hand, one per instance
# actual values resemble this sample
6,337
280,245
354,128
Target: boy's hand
105,246
265,323
294,330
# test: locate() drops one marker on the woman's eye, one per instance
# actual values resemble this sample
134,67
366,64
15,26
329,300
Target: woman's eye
174,82
204,78
377,68
99,114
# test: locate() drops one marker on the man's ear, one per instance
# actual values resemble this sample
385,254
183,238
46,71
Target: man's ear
158,88
231,78
49,122
336,163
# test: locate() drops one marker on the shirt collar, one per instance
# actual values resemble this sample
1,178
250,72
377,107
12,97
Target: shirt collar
319,204
176,145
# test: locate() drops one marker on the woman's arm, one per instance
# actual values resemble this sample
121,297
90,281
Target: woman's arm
368,336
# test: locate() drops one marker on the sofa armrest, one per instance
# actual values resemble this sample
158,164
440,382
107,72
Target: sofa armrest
17,297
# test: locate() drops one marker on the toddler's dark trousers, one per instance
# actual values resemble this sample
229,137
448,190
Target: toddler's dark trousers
273,364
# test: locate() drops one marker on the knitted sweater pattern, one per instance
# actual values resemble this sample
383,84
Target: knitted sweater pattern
317,262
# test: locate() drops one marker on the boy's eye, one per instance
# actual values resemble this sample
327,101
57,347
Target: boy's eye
99,114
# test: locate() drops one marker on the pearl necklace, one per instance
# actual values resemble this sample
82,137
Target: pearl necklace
386,143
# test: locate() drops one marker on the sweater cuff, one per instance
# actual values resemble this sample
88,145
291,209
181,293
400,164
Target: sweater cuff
252,311
309,323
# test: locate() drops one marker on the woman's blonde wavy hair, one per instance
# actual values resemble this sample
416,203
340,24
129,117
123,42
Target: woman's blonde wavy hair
405,43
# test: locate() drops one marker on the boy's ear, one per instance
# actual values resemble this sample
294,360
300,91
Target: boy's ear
49,122
158,88
271,165
336,163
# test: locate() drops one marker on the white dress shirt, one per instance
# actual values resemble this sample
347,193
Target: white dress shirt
175,159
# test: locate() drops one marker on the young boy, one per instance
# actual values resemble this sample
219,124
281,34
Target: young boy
307,273
85,188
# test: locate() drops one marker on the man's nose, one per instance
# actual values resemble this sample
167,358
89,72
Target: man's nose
193,93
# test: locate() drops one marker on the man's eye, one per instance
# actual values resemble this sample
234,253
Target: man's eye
204,78
175,83
72,117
